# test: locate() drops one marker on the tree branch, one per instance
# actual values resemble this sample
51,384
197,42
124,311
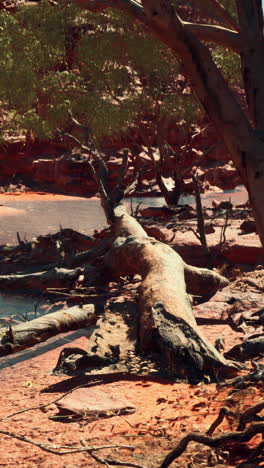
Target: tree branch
217,34
207,81
132,7
238,436
223,14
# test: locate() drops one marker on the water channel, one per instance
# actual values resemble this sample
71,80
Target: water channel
38,217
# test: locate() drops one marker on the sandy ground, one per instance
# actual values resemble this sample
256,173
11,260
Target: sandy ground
36,196
165,412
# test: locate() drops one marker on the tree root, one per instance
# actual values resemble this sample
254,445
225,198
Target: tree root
217,441
254,377
246,417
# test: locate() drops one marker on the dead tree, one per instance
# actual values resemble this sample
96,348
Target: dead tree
28,334
167,325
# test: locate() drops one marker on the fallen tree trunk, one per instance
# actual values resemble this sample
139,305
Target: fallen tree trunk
28,334
167,325
55,278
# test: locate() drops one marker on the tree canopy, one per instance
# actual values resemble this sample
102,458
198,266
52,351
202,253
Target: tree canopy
111,74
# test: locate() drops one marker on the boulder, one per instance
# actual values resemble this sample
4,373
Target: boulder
187,213
209,229
248,226
244,249
93,403
160,233
223,205
225,177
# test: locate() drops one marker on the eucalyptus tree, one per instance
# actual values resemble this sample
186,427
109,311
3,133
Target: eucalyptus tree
109,74
56,59
242,130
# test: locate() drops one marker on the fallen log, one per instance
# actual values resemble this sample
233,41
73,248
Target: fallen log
167,325
248,349
55,277
28,334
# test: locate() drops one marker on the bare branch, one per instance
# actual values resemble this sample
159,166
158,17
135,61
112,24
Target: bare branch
216,34
118,191
132,7
56,448
200,216
217,441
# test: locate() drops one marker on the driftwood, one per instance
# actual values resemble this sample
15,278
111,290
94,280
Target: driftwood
249,349
217,441
42,328
242,433
55,277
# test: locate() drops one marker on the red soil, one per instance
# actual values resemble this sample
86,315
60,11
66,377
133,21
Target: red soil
165,412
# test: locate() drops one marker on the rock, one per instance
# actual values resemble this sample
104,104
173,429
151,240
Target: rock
69,175
215,203
248,226
160,233
209,229
187,213
244,249
157,212
225,177
93,403
223,205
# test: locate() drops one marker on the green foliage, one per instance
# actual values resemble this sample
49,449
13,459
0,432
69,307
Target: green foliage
229,64
103,68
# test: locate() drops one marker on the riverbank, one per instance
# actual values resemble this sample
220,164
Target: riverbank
44,196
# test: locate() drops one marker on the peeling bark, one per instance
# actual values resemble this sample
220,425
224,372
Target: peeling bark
28,334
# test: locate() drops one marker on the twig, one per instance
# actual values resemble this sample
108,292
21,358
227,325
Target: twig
109,462
219,440
200,218
54,448
224,15
250,415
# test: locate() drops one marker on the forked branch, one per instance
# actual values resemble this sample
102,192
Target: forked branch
217,441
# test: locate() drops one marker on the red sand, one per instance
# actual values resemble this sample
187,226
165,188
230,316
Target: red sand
36,196
165,412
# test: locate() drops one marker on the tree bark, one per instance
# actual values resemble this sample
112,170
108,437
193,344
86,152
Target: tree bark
53,278
28,334
167,325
